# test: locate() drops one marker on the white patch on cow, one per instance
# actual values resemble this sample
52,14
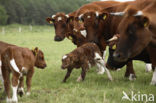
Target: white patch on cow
83,33
79,79
14,66
64,57
131,77
53,16
1,77
98,58
108,74
21,90
80,16
89,64
153,82
88,17
8,100
104,54
75,30
118,13
101,69
148,67
97,14
59,18
67,16
14,91
28,93
139,13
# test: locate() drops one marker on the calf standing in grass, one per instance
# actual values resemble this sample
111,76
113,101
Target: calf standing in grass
20,61
84,56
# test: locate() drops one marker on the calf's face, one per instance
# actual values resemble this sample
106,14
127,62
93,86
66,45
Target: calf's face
40,61
134,36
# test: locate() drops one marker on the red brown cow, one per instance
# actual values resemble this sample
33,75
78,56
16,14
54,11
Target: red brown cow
20,61
63,24
136,32
84,56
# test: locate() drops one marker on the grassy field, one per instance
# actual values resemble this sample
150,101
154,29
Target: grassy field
47,86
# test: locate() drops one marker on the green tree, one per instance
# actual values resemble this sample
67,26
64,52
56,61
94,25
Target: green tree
3,15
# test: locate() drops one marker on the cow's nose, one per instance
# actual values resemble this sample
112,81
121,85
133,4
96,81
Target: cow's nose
57,38
45,65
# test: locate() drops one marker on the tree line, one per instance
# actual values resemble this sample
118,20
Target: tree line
35,11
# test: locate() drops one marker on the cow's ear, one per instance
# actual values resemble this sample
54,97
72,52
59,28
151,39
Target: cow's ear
49,20
70,19
35,51
144,21
103,16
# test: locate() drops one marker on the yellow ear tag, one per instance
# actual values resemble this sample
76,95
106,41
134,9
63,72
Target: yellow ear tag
70,38
114,47
50,22
71,20
145,24
104,17
80,21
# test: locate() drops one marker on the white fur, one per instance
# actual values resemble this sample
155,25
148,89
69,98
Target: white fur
101,70
75,30
97,14
89,64
13,64
139,13
8,100
98,58
67,16
21,90
148,67
59,18
88,17
1,77
64,57
131,77
84,33
28,93
104,54
14,97
79,79
153,82
108,74
80,16
53,16
118,13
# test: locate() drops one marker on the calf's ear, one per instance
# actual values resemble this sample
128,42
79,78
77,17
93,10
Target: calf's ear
49,20
35,51
70,19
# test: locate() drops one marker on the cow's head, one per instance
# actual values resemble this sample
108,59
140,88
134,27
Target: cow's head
89,25
62,24
68,61
134,35
39,58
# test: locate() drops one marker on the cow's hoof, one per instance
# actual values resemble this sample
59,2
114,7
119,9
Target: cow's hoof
153,83
21,92
14,100
28,93
132,77
79,79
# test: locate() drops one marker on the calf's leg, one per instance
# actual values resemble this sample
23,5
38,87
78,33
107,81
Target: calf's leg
67,74
21,87
29,80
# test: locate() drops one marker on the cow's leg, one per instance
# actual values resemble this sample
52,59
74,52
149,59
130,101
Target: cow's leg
21,86
100,68
67,74
15,82
130,71
153,82
6,78
148,67
29,80
1,78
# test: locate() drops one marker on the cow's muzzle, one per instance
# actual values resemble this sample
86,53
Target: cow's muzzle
58,38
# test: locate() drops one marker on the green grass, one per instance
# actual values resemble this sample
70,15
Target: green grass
47,86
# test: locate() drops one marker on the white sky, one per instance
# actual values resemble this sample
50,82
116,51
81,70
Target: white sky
119,0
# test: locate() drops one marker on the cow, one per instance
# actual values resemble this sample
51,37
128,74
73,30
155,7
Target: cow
20,62
83,57
62,23
136,32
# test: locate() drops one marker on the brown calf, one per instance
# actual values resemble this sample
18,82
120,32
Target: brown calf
84,56
20,61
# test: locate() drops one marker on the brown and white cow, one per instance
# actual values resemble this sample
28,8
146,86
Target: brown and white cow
20,61
136,32
83,57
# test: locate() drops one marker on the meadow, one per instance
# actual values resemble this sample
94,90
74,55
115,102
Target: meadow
47,86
